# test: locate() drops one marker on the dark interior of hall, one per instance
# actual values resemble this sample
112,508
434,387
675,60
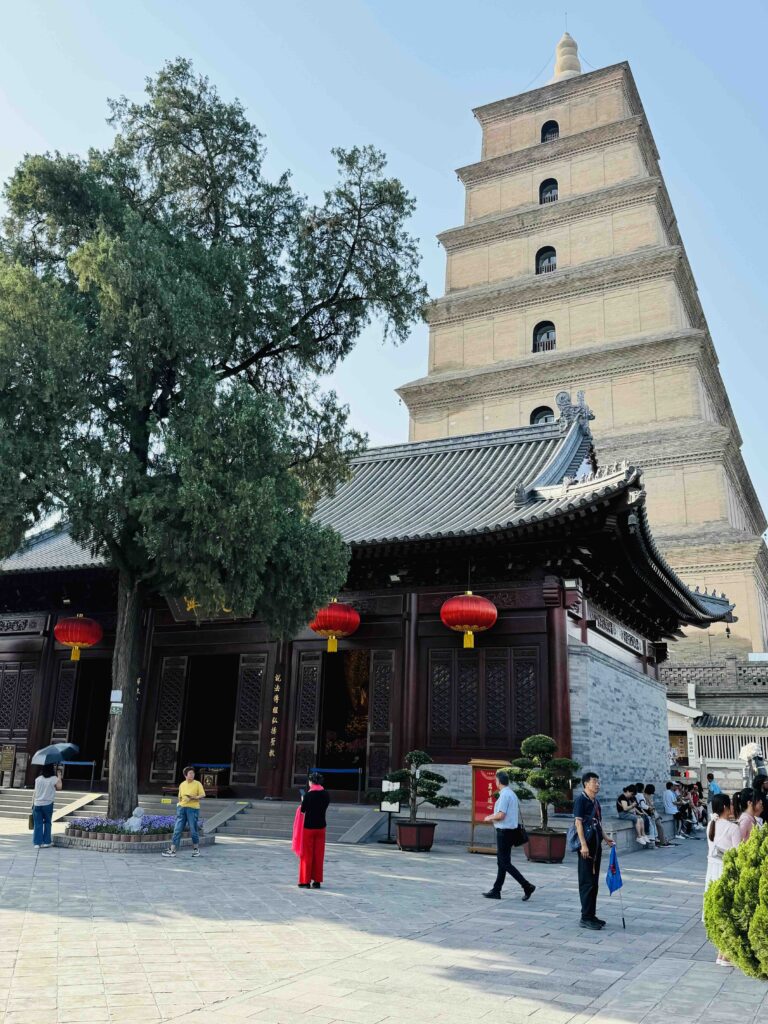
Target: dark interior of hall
209,711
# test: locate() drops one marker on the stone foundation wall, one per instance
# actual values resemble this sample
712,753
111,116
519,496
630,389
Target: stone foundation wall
618,722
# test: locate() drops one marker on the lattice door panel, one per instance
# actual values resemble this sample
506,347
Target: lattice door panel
17,680
65,701
379,744
165,747
526,695
247,733
308,689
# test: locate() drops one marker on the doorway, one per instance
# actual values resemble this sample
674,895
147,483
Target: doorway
90,717
209,714
343,735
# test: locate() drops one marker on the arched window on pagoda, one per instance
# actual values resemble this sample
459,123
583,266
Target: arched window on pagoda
544,337
542,415
548,191
546,260
550,131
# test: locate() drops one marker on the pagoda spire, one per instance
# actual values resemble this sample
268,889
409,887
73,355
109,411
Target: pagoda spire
567,64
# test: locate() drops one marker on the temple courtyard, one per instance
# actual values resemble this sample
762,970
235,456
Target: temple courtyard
392,937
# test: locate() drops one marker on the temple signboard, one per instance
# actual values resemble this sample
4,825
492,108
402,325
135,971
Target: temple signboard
484,792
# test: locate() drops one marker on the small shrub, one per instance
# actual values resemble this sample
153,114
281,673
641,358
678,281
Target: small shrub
736,906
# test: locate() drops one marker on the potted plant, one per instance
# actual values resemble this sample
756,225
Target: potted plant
418,786
550,778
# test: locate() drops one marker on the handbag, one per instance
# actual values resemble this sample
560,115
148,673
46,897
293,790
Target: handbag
518,834
572,840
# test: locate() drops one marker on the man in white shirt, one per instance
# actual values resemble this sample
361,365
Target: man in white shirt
505,818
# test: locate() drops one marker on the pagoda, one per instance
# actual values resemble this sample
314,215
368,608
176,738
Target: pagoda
569,270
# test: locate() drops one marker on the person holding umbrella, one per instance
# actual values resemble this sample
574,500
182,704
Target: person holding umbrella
47,783
588,824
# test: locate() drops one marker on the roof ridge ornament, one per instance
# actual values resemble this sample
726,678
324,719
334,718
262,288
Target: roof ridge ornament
570,413
567,63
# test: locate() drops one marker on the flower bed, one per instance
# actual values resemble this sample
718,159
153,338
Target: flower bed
154,827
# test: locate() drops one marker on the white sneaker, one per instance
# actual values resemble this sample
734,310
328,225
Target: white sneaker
168,853
195,853
642,840
37,847
46,846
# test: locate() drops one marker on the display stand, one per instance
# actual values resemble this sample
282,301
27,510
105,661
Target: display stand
389,807
483,798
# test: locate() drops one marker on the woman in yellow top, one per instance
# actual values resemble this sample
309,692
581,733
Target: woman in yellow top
187,813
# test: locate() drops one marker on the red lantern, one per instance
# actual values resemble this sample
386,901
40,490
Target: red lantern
76,633
468,614
333,621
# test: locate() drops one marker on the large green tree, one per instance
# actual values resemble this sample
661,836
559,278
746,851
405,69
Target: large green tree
165,312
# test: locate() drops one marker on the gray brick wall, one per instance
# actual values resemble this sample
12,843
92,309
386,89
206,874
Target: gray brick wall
618,722
459,784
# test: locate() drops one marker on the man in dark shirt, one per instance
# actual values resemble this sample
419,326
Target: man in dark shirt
589,828
313,808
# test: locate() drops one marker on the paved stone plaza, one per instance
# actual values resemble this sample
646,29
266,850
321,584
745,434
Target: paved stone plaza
396,938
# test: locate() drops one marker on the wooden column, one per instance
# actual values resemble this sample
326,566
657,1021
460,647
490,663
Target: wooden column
557,639
409,730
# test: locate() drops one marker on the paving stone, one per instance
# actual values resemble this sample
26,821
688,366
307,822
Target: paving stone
392,938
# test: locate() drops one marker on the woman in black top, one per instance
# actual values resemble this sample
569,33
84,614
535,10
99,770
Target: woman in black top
313,808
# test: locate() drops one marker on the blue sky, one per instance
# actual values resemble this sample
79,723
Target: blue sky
404,75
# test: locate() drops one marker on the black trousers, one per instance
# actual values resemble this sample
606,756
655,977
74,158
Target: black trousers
505,865
589,880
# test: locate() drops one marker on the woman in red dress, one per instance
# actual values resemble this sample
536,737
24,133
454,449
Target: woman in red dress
309,833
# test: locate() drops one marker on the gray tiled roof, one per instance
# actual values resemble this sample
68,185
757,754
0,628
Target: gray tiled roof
455,486
707,721
52,549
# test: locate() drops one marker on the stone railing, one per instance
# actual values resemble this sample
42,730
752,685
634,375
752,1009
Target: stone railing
730,676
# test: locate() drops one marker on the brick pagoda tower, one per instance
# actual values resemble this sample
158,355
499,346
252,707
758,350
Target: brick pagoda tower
569,273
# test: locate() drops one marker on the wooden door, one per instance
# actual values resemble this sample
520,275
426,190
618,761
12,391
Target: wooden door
165,745
246,739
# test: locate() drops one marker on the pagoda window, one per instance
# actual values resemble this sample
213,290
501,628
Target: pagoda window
548,191
546,260
550,131
544,337
542,415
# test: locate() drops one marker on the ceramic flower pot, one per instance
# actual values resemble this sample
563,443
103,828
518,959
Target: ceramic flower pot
416,837
545,847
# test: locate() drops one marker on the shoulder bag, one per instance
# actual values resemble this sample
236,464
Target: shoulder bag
518,833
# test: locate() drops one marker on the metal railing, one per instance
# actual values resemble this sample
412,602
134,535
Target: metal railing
545,345
549,197
550,136
546,268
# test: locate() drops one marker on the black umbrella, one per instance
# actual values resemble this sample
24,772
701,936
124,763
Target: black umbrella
56,753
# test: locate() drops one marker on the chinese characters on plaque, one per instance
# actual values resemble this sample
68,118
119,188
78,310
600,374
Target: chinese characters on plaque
275,716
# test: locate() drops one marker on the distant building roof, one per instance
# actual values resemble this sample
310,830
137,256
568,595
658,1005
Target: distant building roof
707,721
50,550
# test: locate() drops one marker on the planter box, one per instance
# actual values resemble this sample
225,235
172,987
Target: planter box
545,847
147,844
416,837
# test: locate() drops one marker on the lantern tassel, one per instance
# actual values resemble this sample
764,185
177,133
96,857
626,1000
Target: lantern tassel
333,644
469,639
75,655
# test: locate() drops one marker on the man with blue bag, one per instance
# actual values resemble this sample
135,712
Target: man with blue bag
586,837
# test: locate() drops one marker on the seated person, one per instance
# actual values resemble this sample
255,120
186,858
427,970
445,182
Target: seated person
627,810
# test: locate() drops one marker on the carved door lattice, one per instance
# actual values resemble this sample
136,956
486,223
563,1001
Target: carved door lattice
489,698
379,745
307,714
17,680
65,700
247,734
165,747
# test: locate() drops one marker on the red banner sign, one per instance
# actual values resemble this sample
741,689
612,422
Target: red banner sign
483,789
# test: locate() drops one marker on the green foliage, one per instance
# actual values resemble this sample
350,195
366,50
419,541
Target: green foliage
165,310
418,785
736,906
539,770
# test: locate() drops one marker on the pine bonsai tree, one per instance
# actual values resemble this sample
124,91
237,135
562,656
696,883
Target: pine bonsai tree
165,311
418,785
736,906
548,776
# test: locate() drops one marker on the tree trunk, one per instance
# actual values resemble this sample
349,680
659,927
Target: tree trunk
126,666
544,814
